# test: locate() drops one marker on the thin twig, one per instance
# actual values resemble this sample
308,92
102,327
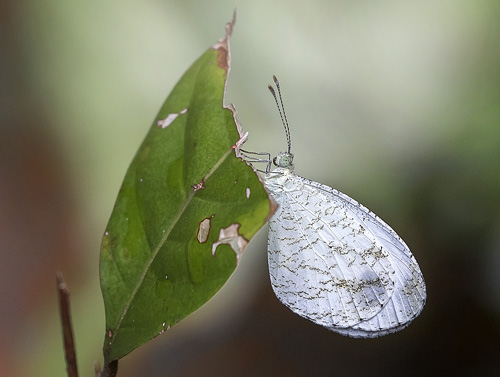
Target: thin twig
69,345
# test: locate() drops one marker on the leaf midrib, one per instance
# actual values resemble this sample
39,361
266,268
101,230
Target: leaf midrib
162,242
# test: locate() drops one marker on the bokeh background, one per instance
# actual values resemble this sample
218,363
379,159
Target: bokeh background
396,104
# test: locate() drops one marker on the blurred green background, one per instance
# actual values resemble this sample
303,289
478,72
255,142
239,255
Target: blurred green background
396,104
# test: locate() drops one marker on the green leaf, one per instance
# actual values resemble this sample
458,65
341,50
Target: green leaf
184,214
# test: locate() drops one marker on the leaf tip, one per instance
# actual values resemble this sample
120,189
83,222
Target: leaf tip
222,46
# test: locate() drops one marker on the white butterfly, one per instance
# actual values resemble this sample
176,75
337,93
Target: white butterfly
333,261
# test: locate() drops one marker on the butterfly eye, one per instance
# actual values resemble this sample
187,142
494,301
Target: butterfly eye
286,160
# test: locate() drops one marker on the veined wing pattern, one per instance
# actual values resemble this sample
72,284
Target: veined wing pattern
333,261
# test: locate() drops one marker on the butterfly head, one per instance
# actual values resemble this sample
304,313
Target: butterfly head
284,160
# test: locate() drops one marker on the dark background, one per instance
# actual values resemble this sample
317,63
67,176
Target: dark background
396,104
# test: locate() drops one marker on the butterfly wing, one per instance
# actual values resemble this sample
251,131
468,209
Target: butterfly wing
333,261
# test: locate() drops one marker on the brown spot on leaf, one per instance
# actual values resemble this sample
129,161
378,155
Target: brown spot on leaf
222,46
222,58
273,206
199,186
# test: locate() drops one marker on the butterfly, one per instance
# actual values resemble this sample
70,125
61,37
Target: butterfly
333,261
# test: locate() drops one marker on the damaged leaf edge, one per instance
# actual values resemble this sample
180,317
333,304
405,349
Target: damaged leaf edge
273,206
223,45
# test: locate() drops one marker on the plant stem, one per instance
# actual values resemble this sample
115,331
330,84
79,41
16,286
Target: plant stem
69,345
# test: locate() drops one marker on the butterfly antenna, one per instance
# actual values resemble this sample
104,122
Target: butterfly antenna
281,111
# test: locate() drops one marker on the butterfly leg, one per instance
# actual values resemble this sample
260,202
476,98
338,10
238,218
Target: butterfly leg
253,157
